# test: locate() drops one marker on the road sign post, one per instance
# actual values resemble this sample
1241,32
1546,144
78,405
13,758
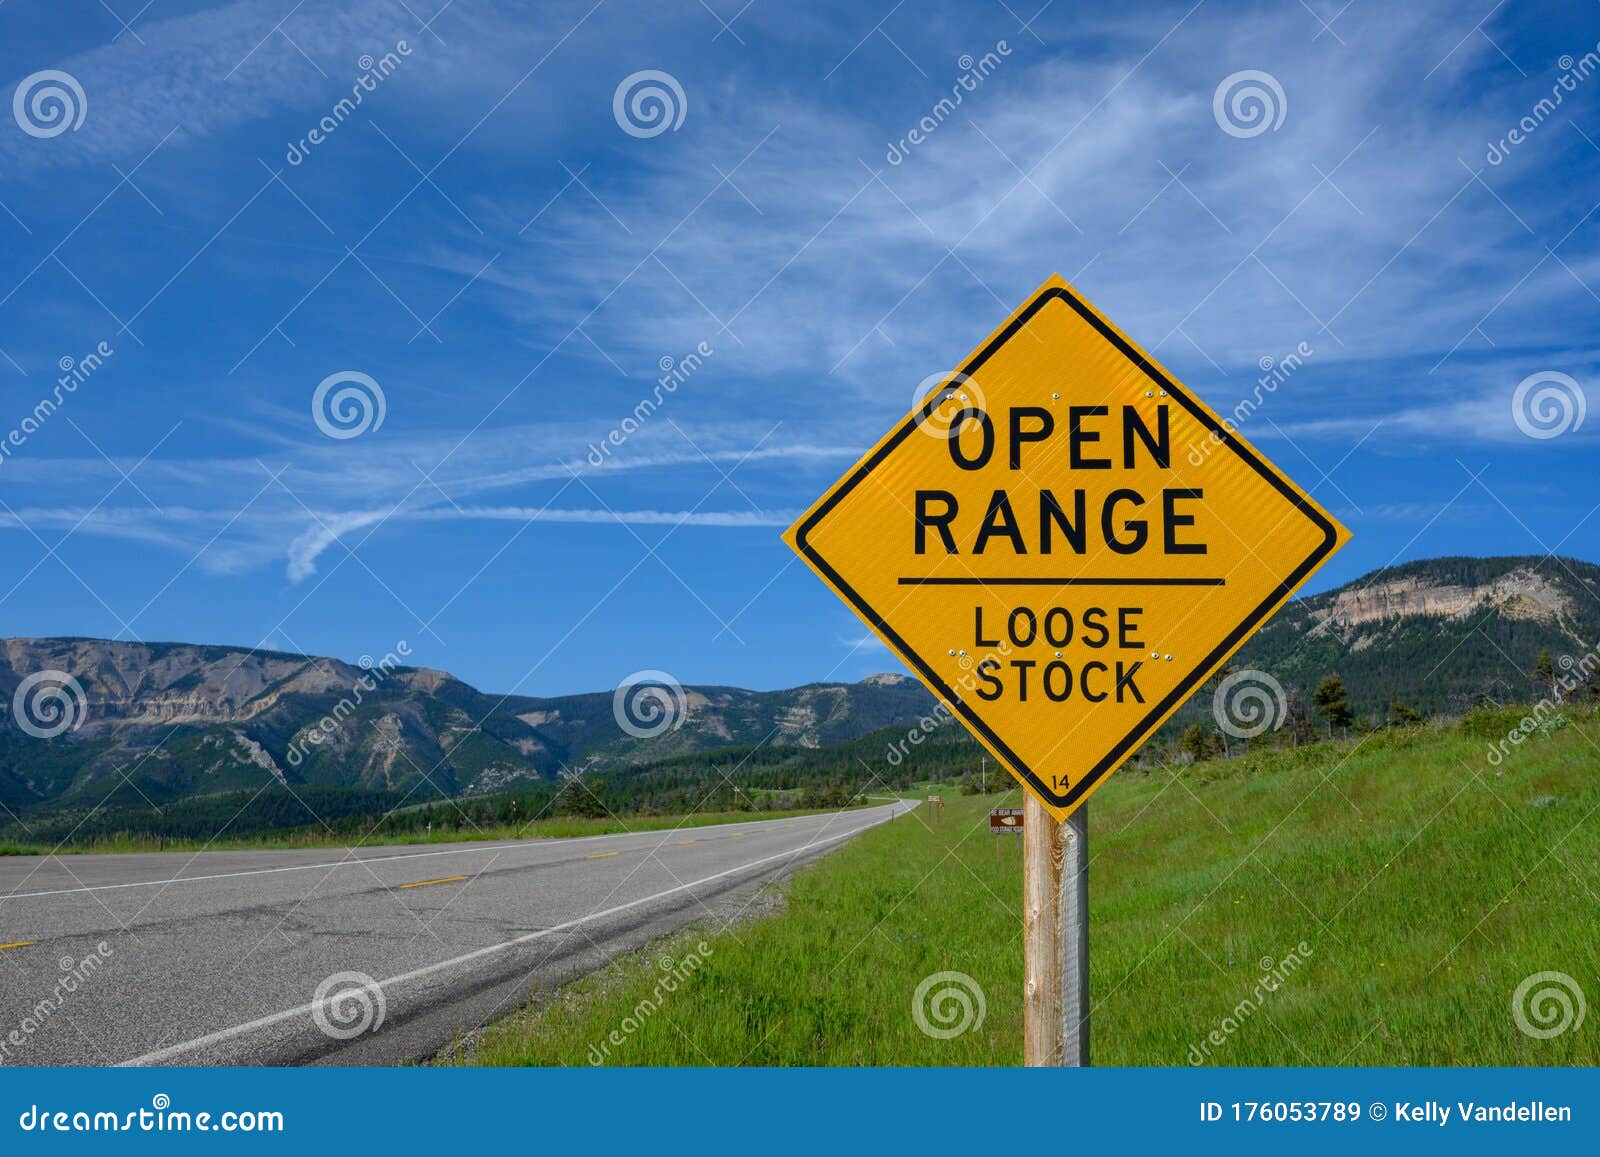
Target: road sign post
1055,922
1064,544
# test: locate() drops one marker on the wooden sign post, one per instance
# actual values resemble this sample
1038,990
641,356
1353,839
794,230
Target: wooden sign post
1055,924
1064,544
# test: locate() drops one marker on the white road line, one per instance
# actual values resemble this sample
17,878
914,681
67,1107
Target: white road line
554,842
221,1035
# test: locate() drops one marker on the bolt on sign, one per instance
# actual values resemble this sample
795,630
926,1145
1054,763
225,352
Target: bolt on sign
1036,541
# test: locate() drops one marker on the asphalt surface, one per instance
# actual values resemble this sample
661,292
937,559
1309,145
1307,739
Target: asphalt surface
265,958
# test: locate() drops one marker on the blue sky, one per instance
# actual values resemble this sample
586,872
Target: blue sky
482,239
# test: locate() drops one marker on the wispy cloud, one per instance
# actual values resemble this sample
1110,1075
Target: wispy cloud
309,546
295,503
867,642
205,72
1213,251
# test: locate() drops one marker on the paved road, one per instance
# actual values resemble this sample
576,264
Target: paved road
217,957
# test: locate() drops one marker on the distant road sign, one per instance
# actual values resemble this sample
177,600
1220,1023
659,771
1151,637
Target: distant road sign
936,799
1003,820
1063,543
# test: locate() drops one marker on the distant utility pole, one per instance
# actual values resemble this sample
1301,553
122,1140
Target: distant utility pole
983,774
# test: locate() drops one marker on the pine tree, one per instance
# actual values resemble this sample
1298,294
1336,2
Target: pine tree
1333,702
1544,675
1402,716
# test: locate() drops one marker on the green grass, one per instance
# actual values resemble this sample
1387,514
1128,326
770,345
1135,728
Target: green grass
1424,883
556,828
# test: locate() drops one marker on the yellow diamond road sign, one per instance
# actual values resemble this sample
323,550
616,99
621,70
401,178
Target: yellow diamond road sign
1064,543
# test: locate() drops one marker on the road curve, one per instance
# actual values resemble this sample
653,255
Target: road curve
377,955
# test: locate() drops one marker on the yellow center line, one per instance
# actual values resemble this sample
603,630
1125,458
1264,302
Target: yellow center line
17,944
686,841
425,883
602,855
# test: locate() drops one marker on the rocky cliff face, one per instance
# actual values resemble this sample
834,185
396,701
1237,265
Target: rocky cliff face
1438,634
1522,593
149,684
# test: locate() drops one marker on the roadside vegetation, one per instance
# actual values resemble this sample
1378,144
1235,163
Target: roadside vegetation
1372,900
742,782
554,828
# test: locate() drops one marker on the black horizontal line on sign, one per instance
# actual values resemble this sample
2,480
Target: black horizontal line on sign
1063,582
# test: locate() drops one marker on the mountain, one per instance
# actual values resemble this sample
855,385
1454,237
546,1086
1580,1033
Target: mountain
159,722
1440,634
162,721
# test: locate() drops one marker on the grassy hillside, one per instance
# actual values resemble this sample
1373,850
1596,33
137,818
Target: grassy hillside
1416,885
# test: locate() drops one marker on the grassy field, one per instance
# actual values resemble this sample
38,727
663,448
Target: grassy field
1368,902
555,828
